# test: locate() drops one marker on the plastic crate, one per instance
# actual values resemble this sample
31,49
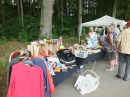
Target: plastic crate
81,53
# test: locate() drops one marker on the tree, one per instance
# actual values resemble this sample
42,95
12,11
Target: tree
114,8
61,13
19,16
2,13
126,9
21,10
79,16
46,18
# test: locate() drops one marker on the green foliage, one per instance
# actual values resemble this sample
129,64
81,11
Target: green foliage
85,31
23,36
93,10
32,30
30,33
3,40
1,32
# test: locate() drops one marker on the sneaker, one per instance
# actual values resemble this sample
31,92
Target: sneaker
109,69
115,64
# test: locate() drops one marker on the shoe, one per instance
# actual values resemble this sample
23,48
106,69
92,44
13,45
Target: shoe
118,76
116,64
125,79
109,69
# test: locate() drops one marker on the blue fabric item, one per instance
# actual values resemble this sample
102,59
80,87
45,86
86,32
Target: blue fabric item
39,62
101,32
114,34
28,61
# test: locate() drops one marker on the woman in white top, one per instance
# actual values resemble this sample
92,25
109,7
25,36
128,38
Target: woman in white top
91,33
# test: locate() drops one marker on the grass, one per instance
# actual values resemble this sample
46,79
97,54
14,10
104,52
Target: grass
6,49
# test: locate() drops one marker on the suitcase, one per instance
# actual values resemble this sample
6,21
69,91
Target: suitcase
66,57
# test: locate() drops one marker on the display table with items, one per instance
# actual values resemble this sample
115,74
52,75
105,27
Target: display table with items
60,77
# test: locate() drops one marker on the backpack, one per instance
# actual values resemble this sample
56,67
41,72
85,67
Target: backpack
66,57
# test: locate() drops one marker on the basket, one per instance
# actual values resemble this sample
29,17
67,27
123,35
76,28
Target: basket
86,83
81,53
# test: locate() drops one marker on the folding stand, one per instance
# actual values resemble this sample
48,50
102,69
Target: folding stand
82,67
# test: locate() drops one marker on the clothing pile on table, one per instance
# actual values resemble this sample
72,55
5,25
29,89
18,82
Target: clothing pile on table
29,77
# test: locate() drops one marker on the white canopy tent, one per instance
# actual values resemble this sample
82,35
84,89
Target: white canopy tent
103,21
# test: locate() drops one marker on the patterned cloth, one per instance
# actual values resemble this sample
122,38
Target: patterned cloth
124,38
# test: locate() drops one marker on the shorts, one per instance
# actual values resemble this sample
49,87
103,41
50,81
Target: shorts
110,56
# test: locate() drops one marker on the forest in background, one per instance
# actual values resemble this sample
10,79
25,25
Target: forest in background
20,19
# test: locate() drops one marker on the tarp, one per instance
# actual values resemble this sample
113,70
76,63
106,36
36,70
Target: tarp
105,20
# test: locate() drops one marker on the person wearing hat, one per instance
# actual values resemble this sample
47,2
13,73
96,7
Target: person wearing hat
123,47
114,24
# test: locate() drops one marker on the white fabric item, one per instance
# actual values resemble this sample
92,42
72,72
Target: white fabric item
117,31
105,20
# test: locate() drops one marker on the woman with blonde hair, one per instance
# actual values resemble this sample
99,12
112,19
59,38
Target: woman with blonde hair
91,33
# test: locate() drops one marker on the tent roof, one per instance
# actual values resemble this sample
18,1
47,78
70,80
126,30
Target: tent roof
105,20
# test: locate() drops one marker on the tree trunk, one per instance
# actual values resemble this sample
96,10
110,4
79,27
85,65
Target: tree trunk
2,13
79,16
57,7
21,10
114,9
125,10
61,13
46,18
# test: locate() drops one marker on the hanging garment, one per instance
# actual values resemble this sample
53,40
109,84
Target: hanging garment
12,61
39,62
26,81
52,88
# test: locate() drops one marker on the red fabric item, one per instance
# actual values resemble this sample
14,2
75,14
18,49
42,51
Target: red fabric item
50,80
15,54
26,81
128,22
43,54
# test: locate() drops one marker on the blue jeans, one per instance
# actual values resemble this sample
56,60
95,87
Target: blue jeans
124,58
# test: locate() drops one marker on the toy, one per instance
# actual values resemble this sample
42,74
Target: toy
62,47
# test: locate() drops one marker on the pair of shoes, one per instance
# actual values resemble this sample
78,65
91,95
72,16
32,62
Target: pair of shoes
109,69
118,76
